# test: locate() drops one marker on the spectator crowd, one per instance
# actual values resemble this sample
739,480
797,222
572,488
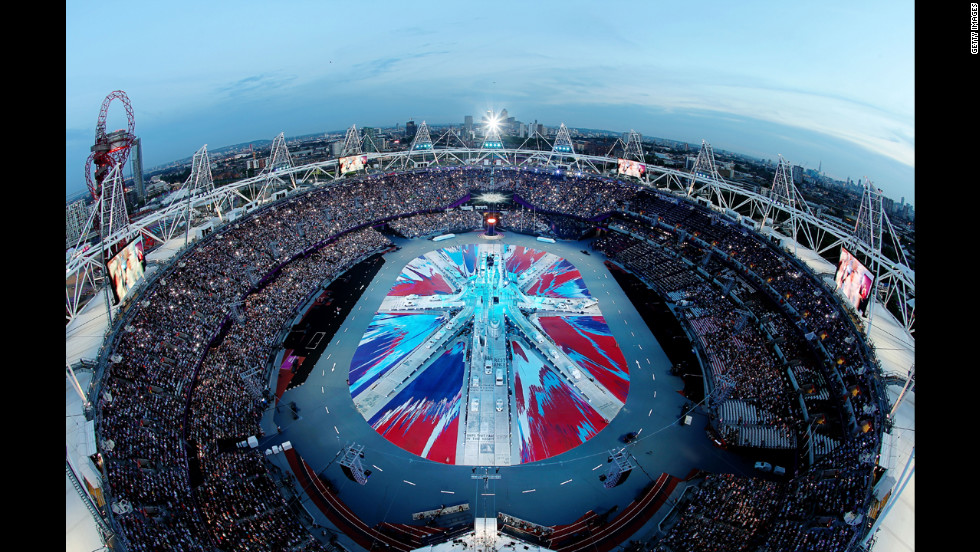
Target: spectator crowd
727,513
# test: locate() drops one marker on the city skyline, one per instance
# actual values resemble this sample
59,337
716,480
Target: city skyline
828,86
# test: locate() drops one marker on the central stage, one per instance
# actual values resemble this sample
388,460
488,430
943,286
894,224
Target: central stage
556,490
488,355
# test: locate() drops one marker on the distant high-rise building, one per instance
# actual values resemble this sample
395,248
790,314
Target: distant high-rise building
797,174
370,138
468,123
410,130
888,205
137,165
76,215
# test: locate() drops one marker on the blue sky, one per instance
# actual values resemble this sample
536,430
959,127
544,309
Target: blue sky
828,83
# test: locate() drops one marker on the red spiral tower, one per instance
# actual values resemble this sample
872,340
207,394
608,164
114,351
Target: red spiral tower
109,149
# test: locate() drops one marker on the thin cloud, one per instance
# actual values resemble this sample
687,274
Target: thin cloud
254,84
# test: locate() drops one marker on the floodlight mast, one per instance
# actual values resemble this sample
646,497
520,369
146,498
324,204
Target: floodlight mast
706,172
113,221
200,182
493,121
493,127
352,142
633,150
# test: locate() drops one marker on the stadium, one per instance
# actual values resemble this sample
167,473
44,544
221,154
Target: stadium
450,347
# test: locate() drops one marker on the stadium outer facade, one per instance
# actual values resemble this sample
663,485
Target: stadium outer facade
782,209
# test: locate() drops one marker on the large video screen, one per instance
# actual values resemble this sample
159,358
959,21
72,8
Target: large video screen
352,163
854,280
631,168
126,268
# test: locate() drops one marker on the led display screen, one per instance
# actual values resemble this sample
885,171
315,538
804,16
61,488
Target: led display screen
853,280
631,168
352,163
126,268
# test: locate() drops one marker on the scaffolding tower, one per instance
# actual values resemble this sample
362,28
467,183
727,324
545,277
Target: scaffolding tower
620,464
351,460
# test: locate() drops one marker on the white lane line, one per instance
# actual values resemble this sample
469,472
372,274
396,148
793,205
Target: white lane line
321,389
651,410
377,468
337,430
409,482
529,491
448,492
569,481
597,467
328,409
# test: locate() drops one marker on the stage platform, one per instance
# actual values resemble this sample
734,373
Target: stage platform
553,491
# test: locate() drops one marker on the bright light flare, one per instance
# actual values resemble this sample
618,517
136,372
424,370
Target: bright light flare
493,121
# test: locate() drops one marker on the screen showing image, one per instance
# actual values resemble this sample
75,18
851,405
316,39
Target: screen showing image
631,168
126,268
352,163
853,280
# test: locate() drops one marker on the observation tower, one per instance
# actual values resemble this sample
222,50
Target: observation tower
111,148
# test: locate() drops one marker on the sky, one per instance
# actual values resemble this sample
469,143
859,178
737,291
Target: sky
825,84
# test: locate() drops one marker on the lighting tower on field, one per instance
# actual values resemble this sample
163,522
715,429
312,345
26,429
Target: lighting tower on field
110,149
